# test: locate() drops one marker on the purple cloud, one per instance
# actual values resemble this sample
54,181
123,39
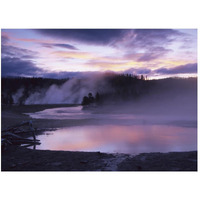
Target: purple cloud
182,69
149,41
153,54
149,37
139,37
18,67
93,36
17,61
66,46
12,51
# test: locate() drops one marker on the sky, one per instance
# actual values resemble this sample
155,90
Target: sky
61,53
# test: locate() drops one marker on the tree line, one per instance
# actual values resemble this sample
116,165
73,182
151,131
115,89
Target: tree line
122,87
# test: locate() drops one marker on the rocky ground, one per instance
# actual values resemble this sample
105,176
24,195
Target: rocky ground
23,159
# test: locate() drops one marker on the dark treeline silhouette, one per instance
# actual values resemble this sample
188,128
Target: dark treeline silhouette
10,85
108,89
124,87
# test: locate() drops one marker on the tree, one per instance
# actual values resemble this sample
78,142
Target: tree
85,101
91,98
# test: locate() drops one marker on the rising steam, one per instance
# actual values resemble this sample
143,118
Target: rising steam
71,92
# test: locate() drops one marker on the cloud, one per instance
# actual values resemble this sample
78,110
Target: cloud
153,54
73,54
17,61
149,37
136,71
141,45
100,64
12,51
18,67
139,37
145,45
150,54
8,50
92,36
66,46
181,69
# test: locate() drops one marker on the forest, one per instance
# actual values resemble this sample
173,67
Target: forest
114,88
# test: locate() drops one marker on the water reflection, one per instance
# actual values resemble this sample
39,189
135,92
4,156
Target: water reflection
132,139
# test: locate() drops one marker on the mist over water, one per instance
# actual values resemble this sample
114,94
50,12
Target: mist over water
105,116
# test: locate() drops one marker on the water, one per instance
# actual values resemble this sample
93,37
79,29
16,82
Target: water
75,113
117,133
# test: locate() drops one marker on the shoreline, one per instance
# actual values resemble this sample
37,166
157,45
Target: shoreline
23,159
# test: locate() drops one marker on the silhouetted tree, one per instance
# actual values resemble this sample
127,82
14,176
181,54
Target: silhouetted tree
85,101
142,77
91,98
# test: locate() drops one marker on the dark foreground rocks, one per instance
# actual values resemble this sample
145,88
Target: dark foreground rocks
173,161
23,159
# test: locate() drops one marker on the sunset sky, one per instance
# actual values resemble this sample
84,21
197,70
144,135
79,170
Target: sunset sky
61,53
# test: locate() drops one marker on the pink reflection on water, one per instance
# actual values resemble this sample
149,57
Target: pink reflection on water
121,139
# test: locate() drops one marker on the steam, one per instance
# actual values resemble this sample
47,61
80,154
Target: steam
71,92
17,95
173,97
